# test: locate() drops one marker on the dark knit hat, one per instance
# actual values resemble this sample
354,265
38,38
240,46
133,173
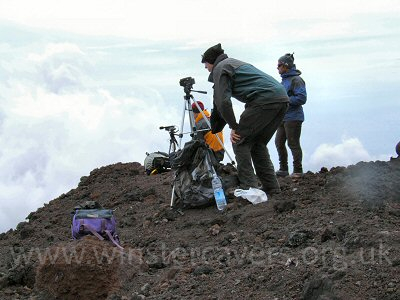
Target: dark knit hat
287,60
194,107
212,53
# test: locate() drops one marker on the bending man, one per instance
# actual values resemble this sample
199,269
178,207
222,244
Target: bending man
265,101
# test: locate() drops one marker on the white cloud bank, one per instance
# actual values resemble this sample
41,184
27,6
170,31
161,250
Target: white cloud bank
55,128
60,66
349,151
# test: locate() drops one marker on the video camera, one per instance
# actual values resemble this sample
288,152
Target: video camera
171,128
187,82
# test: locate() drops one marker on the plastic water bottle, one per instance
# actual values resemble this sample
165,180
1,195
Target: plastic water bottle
218,192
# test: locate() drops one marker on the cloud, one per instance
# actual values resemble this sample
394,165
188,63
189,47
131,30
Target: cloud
54,131
62,66
32,196
348,152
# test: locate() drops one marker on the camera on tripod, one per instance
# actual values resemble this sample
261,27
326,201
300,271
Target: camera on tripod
187,82
173,143
171,128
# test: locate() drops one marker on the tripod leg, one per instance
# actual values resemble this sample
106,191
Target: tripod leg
173,196
175,145
192,122
182,123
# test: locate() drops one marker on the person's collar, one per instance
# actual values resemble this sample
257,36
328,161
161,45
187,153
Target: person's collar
217,61
291,72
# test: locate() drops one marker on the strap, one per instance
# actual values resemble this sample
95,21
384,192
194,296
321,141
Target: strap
93,231
113,240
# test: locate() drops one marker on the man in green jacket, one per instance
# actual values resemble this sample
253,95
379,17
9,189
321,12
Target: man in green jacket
266,103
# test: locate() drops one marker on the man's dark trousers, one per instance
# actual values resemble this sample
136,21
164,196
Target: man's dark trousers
257,125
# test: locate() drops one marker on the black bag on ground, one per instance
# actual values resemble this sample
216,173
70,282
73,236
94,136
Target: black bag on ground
193,173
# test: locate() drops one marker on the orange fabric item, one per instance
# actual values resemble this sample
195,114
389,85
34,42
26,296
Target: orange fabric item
210,138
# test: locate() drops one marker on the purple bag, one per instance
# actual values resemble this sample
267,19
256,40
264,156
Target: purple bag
99,222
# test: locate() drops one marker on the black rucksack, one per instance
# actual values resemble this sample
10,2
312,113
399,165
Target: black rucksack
192,183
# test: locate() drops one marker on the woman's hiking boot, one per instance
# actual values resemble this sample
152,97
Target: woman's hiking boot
282,173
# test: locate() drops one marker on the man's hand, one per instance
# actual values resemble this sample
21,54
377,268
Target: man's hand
234,137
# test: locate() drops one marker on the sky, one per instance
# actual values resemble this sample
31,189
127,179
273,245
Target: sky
86,84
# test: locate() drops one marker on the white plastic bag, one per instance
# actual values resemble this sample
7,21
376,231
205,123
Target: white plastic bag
254,195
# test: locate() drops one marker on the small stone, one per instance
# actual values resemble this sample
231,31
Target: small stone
145,289
215,229
137,296
164,285
200,270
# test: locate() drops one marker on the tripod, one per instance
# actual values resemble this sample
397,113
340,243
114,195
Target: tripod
173,143
193,133
188,107
187,84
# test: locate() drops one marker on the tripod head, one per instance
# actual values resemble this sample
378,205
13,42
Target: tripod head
170,128
187,84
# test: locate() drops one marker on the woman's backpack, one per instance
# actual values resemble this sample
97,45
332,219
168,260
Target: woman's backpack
91,218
